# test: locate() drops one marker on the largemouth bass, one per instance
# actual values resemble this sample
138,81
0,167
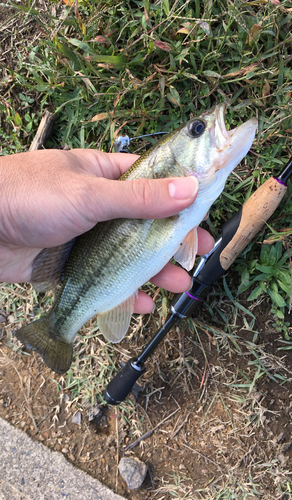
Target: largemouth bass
110,262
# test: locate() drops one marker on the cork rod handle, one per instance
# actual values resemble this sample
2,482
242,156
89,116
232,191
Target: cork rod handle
255,212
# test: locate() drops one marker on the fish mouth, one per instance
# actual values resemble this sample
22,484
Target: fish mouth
233,143
220,136
223,138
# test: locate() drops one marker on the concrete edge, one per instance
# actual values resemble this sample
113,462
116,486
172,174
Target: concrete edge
30,471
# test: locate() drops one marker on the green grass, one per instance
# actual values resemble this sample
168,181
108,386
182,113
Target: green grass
145,67
137,67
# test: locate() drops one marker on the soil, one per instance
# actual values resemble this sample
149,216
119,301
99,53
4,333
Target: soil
206,426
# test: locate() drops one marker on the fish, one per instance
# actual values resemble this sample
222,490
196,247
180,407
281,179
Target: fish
107,265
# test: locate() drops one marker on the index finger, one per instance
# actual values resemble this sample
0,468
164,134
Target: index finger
100,164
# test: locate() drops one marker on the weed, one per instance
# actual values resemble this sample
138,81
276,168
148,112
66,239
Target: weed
269,274
139,67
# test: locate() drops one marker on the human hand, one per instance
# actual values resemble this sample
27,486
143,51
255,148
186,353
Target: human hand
48,197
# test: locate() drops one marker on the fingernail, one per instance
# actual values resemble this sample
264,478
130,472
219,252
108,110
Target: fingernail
183,188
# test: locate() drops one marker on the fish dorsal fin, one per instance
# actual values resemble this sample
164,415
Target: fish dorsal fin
187,251
48,266
114,324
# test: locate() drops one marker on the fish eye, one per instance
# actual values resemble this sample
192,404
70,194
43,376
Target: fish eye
196,128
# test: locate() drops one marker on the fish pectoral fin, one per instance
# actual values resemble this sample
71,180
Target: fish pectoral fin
114,324
48,266
187,251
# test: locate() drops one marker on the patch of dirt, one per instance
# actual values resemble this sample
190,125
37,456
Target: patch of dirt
208,426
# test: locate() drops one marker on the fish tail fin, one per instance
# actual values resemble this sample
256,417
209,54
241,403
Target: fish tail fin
40,337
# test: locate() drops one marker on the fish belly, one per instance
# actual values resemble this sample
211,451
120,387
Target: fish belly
114,259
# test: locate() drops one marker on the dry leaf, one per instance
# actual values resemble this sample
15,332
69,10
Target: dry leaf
99,117
254,32
187,27
103,65
242,71
205,27
117,98
266,89
102,39
162,45
146,14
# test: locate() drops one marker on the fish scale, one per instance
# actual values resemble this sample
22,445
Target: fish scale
121,255
109,263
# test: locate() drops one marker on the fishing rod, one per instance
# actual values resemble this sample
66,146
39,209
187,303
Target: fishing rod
236,234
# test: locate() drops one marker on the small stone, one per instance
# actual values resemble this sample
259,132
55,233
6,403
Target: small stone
95,413
281,458
280,437
181,467
1,401
71,457
66,398
65,450
11,318
22,424
46,435
41,437
77,418
133,471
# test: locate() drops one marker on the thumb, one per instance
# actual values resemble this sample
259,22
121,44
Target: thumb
141,198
